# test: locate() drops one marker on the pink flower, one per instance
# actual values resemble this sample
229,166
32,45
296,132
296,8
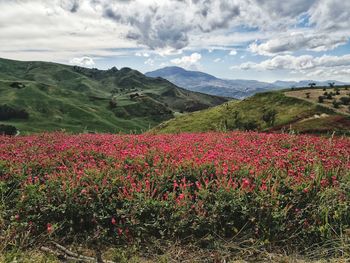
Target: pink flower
49,228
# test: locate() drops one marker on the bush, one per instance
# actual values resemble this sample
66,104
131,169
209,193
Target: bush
113,103
329,96
336,104
320,99
269,117
7,130
345,100
17,85
250,125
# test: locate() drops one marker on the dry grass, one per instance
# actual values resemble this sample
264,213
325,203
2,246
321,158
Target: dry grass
176,252
315,93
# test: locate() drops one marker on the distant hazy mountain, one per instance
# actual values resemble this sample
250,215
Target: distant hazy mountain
235,88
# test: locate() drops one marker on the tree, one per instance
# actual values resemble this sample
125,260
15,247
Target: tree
269,117
7,130
331,84
312,84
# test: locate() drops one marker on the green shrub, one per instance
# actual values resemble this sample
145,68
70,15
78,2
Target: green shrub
7,129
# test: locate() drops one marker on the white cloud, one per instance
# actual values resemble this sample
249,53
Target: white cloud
233,52
149,62
296,41
83,61
305,62
59,30
330,15
188,61
142,54
50,31
217,60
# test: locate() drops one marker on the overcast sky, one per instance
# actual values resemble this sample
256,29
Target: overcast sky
266,40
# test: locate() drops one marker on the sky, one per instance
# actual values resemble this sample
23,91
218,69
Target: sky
265,40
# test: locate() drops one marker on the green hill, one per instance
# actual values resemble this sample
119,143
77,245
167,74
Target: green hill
41,96
270,111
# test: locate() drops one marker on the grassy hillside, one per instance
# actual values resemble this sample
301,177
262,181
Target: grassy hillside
291,114
76,99
326,96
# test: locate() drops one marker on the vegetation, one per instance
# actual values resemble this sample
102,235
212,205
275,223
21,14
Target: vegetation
7,113
271,111
249,191
7,130
40,96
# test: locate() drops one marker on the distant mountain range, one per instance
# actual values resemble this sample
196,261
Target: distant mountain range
235,88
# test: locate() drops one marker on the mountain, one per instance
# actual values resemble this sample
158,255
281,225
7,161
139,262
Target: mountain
205,83
235,88
269,111
43,96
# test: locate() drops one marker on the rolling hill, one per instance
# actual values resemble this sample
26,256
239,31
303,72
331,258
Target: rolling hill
42,96
269,111
234,88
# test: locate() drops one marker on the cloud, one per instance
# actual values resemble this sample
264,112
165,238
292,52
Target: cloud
299,63
330,15
296,41
149,62
59,30
217,60
142,54
52,32
152,24
188,61
233,52
83,61
70,5
341,73
175,23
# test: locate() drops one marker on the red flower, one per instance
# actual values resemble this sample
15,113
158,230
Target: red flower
245,183
113,221
49,228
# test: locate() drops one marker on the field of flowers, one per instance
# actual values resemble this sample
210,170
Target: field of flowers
278,189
